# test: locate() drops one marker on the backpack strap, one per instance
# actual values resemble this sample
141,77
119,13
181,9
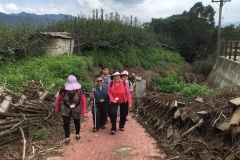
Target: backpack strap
111,83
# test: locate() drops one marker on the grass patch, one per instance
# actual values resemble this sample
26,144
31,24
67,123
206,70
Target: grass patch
175,84
49,69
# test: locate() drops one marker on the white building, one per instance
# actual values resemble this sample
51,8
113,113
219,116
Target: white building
59,43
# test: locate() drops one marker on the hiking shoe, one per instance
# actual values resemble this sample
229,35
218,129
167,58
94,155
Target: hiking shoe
77,137
103,127
113,132
95,129
121,129
67,140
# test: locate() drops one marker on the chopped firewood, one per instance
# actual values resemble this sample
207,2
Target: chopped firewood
235,101
192,128
5,104
223,126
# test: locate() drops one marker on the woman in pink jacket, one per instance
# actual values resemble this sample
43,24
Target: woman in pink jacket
119,94
71,97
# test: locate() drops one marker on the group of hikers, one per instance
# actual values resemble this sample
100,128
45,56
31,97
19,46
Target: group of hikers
111,95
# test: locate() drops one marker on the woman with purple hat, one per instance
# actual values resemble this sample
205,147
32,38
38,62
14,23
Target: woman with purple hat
71,97
119,94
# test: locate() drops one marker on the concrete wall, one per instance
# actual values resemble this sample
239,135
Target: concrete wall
225,72
140,87
56,46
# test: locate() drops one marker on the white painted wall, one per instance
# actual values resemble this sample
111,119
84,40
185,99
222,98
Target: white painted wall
57,46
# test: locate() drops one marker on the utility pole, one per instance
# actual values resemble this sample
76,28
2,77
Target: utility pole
222,2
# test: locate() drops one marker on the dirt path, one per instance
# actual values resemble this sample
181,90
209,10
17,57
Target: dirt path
133,144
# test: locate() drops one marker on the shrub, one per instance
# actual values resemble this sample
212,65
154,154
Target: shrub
175,84
203,66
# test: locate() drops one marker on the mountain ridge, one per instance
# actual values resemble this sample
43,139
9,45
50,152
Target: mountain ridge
36,19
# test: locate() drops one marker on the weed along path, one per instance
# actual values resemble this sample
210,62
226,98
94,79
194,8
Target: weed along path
132,144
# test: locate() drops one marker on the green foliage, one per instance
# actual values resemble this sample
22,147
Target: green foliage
147,57
190,32
43,134
24,38
49,69
203,66
175,84
192,90
170,84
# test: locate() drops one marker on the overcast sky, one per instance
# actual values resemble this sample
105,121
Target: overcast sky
144,10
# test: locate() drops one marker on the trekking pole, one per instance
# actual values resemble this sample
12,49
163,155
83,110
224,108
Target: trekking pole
95,113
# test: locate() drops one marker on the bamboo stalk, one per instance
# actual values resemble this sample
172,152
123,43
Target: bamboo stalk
17,124
9,131
20,115
24,144
30,110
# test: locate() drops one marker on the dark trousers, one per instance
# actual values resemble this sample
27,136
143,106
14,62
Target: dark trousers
107,112
101,114
66,125
113,115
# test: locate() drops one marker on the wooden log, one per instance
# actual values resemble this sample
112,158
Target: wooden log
234,121
30,110
44,95
216,119
187,149
20,115
194,117
157,123
165,123
180,104
177,114
183,113
235,101
35,107
5,104
176,137
9,131
22,123
22,99
199,99
24,144
170,131
236,130
193,128
15,120
223,126
204,154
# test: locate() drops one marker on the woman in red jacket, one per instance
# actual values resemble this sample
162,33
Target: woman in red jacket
119,94
71,97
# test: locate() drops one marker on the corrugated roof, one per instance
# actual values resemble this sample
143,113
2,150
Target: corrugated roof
58,34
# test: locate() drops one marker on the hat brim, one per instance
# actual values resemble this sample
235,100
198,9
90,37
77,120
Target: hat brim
73,86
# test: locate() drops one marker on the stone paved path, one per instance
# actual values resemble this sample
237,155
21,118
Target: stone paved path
132,144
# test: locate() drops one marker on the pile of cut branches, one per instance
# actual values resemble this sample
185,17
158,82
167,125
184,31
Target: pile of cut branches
203,128
22,113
